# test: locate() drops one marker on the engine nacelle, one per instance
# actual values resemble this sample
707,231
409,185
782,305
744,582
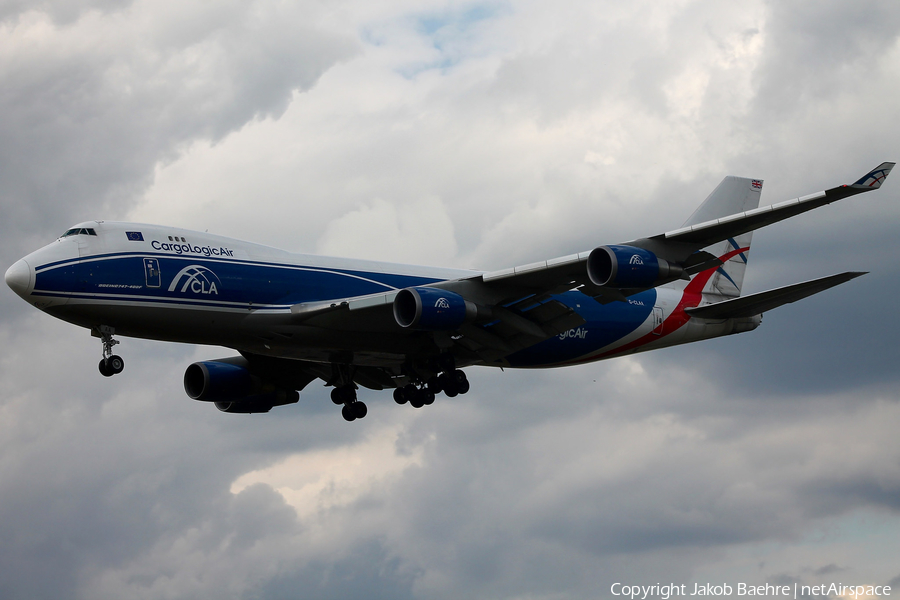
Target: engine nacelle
229,383
432,309
628,267
216,380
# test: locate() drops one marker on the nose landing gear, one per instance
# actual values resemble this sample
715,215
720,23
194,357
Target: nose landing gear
111,364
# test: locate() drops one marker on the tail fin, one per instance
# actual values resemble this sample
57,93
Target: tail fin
734,195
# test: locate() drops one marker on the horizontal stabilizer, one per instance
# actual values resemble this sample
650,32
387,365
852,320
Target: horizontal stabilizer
755,304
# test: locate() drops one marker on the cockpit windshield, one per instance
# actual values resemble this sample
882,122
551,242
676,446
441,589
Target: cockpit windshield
79,231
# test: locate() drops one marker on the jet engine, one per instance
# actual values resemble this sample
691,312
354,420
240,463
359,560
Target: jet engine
629,267
432,309
229,383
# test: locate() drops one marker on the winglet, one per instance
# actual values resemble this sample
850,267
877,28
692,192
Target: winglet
874,178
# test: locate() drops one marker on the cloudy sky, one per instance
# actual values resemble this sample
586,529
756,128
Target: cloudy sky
465,134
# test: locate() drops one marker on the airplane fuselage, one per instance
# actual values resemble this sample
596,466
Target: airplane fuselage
177,285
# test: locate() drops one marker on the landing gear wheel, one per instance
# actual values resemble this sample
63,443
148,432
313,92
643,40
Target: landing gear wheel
434,385
428,396
336,396
418,399
462,382
343,394
115,364
104,369
448,384
348,413
410,391
359,409
399,396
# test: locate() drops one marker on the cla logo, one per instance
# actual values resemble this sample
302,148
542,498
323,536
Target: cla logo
635,260
442,303
198,279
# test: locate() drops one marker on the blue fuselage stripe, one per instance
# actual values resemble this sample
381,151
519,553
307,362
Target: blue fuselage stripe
223,282
238,284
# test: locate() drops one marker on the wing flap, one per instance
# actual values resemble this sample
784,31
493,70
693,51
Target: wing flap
755,304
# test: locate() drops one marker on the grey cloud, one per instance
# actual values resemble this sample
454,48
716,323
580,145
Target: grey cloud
62,13
87,114
818,51
368,571
545,483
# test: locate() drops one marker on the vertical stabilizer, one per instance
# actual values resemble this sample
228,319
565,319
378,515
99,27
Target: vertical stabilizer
734,195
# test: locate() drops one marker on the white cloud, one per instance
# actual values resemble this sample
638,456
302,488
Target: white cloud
320,480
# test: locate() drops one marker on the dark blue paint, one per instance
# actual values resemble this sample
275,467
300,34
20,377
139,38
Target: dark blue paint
606,323
247,282
275,285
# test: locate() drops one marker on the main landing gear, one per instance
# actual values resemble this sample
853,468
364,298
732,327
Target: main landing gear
353,408
452,383
111,364
424,382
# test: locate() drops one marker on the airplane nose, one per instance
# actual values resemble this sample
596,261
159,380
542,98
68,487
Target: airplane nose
18,278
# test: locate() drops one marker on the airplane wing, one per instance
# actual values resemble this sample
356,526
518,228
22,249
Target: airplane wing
679,247
515,308
674,244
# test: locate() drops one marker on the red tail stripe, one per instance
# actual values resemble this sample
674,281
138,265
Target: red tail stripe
675,321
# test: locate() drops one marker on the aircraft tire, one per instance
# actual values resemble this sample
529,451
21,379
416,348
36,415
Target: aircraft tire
359,409
399,396
418,399
410,391
348,413
104,369
428,397
343,394
463,386
116,364
447,382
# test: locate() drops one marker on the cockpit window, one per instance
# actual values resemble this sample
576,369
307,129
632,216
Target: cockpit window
79,231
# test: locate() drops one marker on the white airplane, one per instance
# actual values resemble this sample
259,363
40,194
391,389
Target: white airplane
294,318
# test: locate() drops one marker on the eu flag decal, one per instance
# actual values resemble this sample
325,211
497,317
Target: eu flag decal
134,236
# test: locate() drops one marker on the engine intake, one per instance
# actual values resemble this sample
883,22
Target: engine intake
432,309
629,267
